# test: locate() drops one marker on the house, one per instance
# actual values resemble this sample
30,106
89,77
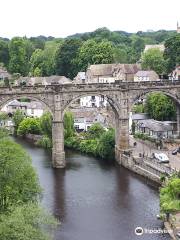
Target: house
126,72
109,73
161,47
31,81
155,129
175,75
84,118
4,74
136,117
31,109
100,73
93,101
143,76
80,78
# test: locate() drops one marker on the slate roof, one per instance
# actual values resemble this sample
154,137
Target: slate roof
156,126
145,74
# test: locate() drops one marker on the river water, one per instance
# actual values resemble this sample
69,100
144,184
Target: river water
95,200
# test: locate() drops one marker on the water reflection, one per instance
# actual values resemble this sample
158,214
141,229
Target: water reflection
96,200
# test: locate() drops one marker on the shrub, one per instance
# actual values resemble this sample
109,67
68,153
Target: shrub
29,125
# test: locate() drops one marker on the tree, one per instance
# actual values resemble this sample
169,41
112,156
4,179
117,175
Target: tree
4,52
95,131
153,59
46,124
68,125
160,107
66,54
93,52
18,180
106,145
172,52
3,117
29,125
170,196
27,222
18,117
18,62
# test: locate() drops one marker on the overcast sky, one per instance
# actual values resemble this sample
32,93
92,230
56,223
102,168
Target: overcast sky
60,18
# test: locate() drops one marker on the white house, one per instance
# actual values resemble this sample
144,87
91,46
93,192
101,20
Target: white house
93,101
144,76
31,109
175,75
84,118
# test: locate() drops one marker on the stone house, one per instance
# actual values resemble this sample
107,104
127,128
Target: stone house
31,109
31,81
80,78
143,76
155,129
109,73
4,74
175,75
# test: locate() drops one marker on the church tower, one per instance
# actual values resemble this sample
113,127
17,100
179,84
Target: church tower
178,28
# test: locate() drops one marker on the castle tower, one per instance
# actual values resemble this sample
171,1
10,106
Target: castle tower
178,28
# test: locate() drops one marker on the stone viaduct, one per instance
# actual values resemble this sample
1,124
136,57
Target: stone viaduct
120,95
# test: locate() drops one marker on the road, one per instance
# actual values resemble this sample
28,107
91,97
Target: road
148,150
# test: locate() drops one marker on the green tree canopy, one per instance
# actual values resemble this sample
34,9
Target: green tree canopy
153,59
46,124
29,125
68,125
18,52
4,52
160,107
18,116
18,180
27,222
172,52
95,131
66,54
93,52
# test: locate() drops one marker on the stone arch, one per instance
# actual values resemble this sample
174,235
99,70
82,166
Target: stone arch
108,98
174,97
8,99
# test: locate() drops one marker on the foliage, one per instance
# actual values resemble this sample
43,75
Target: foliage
4,52
170,196
45,142
29,125
26,222
68,125
92,52
172,52
66,54
46,124
153,59
144,137
106,145
97,142
160,107
18,180
138,108
95,131
18,117
3,132
18,53
3,116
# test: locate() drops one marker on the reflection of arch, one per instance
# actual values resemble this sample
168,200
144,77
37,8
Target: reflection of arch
7,100
109,99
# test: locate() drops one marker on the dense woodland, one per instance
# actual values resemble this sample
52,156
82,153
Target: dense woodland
45,56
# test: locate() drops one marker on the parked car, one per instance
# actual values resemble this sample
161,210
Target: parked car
175,151
161,157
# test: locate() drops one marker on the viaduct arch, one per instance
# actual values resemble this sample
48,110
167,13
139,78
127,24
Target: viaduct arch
120,95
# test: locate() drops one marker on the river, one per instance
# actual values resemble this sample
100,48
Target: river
95,200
